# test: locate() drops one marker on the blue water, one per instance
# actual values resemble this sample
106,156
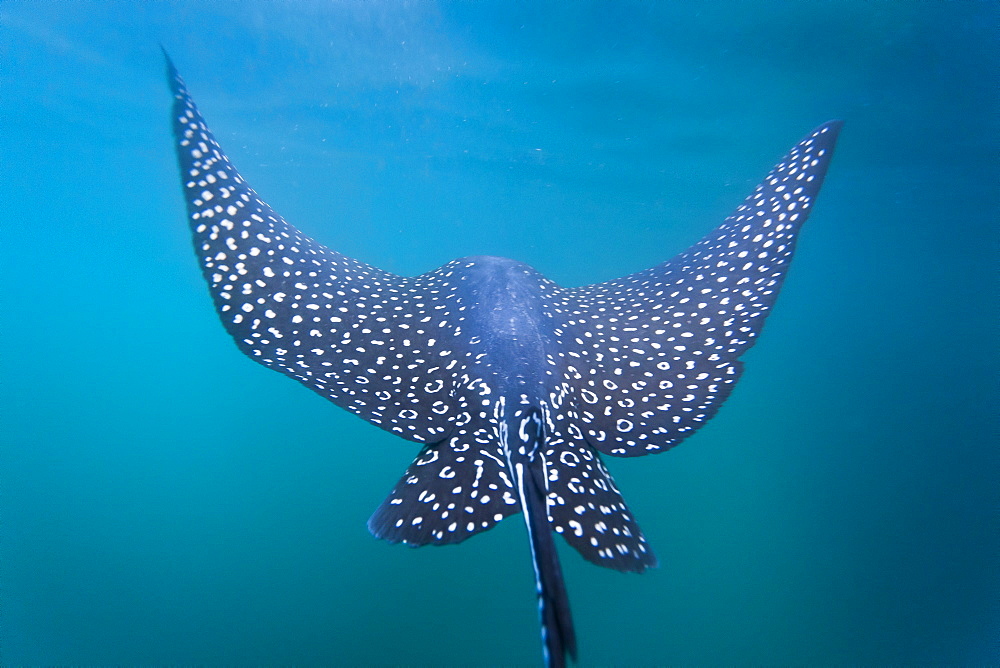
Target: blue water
164,501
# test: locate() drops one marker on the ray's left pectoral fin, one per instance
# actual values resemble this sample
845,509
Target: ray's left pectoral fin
336,325
653,355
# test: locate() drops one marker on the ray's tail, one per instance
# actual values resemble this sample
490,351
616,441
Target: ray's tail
525,457
558,635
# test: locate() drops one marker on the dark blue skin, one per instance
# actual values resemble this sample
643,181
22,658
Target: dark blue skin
507,313
512,386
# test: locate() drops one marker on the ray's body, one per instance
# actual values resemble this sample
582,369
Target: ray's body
511,384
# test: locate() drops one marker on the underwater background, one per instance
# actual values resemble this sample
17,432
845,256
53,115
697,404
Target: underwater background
165,501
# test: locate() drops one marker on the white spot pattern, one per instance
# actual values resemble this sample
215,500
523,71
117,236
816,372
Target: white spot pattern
627,367
653,355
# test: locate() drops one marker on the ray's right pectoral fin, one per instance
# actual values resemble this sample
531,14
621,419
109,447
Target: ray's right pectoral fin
670,337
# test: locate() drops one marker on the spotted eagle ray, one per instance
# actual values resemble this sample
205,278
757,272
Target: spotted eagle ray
512,385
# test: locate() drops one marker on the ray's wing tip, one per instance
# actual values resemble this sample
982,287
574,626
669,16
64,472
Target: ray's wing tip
831,130
174,79
171,69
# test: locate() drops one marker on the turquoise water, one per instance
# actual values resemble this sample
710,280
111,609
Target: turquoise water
163,500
